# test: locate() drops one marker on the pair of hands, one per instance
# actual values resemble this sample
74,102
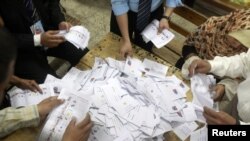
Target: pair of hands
126,48
212,117
50,39
74,132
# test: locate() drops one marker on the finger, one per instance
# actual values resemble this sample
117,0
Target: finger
72,122
55,43
85,122
88,127
211,112
53,32
209,119
54,102
192,68
36,86
56,37
160,29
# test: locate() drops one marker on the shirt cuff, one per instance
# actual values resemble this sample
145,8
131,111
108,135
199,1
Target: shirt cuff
214,65
31,114
37,40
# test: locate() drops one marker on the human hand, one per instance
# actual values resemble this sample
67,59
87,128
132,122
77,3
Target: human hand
163,25
219,92
47,105
126,49
28,84
50,39
65,26
79,132
199,66
218,118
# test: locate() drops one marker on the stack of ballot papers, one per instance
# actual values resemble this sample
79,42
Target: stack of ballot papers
77,35
150,33
129,100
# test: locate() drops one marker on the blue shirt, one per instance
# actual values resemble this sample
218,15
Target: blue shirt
123,6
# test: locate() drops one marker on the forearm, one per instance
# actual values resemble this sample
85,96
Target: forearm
234,66
12,119
14,80
168,11
122,21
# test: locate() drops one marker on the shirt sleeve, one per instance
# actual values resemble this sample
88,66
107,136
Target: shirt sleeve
12,119
120,7
174,3
234,66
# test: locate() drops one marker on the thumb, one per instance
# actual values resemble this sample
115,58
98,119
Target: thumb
72,122
160,28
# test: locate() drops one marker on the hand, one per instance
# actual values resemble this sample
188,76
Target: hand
199,66
78,132
220,91
48,105
28,84
218,118
163,25
65,26
50,39
126,49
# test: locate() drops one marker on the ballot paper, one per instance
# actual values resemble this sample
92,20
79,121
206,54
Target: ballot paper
185,130
123,104
154,69
150,33
200,134
58,120
77,35
19,97
202,89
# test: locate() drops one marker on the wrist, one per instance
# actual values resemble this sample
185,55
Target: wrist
167,18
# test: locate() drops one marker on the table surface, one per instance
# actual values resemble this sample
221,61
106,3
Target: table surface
108,47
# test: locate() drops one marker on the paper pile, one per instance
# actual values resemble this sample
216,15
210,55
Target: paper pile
150,33
78,35
127,100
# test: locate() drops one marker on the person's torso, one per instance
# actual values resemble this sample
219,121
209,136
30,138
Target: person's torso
15,15
134,4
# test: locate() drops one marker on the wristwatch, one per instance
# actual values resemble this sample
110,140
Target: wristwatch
168,18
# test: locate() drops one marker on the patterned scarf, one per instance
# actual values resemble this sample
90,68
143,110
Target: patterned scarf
209,38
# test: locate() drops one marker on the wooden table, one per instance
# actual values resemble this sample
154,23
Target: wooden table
108,47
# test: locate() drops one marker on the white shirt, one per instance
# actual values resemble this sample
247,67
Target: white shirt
236,66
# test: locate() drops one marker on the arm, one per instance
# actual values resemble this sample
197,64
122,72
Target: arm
169,8
12,119
234,66
120,8
25,84
55,12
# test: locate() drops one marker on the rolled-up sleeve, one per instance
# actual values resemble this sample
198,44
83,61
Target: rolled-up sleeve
12,119
174,3
120,7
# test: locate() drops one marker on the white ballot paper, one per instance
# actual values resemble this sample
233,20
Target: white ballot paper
185,130
150,33
200,134
77,35
19,97
202,89
57,122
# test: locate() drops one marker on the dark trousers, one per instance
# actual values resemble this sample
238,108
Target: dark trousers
32,63
134,34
